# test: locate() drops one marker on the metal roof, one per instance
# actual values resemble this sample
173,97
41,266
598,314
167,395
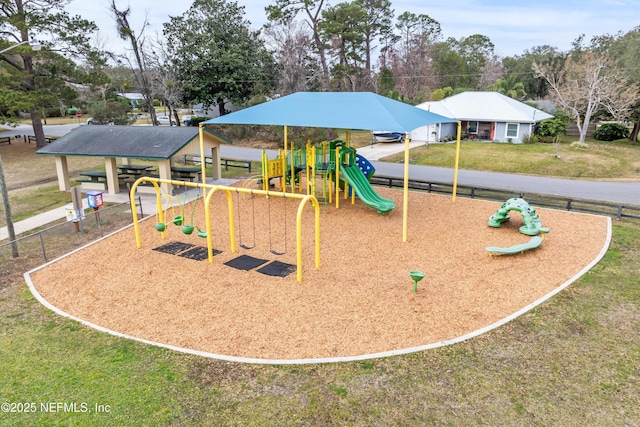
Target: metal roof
486,107
149,142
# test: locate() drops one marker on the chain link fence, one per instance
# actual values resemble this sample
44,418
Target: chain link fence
58,239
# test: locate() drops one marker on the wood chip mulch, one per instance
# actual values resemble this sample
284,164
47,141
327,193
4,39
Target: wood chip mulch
361,300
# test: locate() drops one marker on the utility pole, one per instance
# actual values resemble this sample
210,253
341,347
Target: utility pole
3,183
7,212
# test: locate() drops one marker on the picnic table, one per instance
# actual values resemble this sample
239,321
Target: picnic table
99,176
95,175
97,180
193,174
135,170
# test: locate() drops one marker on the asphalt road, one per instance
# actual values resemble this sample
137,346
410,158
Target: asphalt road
616,192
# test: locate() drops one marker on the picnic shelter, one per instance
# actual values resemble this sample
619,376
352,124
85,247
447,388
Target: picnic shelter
118,145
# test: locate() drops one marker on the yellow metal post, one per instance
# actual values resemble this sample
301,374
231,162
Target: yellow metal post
203,162
337,177
455,167
405,197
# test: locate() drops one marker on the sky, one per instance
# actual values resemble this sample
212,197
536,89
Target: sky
513,26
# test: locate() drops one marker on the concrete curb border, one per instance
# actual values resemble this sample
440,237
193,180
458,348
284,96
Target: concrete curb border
390,353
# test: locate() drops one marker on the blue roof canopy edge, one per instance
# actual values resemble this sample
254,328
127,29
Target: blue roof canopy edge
340,110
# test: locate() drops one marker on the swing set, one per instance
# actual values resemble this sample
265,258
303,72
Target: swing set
209,191
244,245
178,220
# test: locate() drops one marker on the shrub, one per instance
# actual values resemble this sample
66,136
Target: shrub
550,130
530,139
195,121
611,132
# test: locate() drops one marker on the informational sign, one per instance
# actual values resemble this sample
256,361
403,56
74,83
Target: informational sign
72,213
75,211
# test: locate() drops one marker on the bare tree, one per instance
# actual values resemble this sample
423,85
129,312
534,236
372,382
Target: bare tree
491,72
137,45
292,44
411,59
285,11
165,80
588,82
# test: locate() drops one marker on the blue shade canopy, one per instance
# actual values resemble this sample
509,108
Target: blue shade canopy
338,110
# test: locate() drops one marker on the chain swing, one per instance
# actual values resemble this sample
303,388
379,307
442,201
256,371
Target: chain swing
271,249
253,221
168,198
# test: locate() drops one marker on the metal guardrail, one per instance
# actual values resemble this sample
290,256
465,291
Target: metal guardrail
566,203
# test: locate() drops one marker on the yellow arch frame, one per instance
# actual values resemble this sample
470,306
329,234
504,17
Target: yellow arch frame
304,198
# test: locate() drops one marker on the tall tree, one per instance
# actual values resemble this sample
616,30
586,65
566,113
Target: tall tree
589,81
62,37
343,25
412,57
449,65
626,51
377,24
137,46
467,63
521,66
509,86
217,57
283,12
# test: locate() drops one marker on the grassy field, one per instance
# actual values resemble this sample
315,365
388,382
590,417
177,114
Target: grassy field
572,361
601,160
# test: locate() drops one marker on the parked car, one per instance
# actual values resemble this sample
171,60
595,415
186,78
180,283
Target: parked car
186,119
166,120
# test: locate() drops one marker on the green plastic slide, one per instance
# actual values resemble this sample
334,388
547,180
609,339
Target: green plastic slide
531,244
356,179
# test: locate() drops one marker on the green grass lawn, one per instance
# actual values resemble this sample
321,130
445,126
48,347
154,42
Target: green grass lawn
601,160
571,361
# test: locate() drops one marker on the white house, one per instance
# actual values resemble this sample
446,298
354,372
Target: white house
488,116
135,98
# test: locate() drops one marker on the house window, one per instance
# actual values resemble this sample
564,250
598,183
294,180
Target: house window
512,130
472,128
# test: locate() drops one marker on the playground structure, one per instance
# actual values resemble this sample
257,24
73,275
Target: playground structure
329,169
532,225
209,190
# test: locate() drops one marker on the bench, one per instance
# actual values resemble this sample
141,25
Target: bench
33,138
224,161
146,187
88,184
6,139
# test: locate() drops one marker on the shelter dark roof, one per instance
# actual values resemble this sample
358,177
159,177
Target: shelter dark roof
149,142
